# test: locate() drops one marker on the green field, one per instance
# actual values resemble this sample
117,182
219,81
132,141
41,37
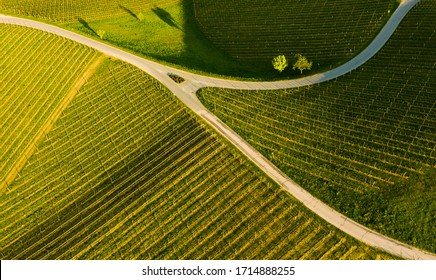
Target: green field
63,11
226,38
30,89
364,143
327,32
167,34
127,172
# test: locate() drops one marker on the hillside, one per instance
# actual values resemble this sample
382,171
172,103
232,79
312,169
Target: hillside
327,32
224,38
31,89
127,172
364,143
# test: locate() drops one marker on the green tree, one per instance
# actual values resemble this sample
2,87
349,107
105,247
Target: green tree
101,34
302,63
280,63
140,16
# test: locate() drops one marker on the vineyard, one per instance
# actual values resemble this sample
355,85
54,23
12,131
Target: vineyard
63,11
364,143
127,172
226,38
327,32
31,90
163,30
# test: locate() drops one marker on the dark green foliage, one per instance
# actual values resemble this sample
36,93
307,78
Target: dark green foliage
410,205
328,32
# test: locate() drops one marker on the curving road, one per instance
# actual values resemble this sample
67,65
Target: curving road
186,93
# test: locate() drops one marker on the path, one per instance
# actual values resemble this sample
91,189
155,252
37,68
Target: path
186,93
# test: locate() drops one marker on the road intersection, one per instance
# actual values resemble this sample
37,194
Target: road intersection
193,82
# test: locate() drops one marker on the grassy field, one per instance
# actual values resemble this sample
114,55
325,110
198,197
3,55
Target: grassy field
30,89
127,172
226,38
167,34
364,143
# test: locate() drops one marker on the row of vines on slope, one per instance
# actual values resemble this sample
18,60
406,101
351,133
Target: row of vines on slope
364,143
63,11
127,172
327,32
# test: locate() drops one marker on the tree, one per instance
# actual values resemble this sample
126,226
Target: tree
140,16
101,34
280,63
302,63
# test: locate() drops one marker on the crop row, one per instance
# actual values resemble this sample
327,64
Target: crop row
325,31
70,10
360,134
37,73
128,173
337,132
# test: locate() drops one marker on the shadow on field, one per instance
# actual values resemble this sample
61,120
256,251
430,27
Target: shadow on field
87,216
198,53
210,58
130,12
166,17
86,25
184,44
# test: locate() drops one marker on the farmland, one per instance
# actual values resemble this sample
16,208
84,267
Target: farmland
364,143
127,172
30,94
225,38
62,11
328,32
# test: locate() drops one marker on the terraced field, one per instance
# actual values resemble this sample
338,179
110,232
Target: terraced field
63,11
30,88
127,172
364,143
327,32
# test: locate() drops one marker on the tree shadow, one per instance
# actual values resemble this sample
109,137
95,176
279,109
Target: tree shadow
198,52
166,17
130,12
86,25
